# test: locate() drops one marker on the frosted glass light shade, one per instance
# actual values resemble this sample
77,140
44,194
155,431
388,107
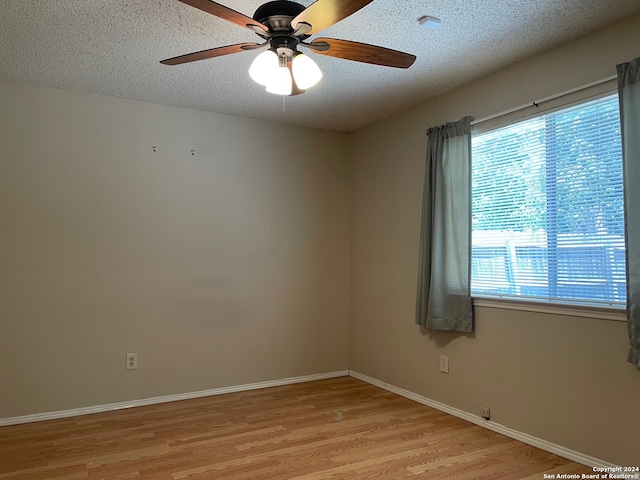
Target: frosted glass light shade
264,67
305,71
280,82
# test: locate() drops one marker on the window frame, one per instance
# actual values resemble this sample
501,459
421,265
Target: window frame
552,104
555,308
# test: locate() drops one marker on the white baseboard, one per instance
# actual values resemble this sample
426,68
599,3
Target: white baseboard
496,427
167,398
476,419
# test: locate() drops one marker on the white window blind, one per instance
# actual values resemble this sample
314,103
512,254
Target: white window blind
547,208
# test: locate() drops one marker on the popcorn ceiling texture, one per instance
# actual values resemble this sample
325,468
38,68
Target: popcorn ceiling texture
113,47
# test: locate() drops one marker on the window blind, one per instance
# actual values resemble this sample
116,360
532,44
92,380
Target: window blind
547,208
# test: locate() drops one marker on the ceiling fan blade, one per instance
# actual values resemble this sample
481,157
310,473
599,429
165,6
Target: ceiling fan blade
324,13
226,13
210,53
361,52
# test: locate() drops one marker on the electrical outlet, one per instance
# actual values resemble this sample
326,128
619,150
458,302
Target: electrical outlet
444,363
486,413
132,361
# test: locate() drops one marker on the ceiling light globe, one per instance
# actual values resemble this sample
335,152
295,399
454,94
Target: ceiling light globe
264,67
280,82
305,71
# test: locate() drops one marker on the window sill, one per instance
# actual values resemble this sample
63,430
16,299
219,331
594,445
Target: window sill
614,314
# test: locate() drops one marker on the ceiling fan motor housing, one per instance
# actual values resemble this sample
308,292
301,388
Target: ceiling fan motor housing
277,15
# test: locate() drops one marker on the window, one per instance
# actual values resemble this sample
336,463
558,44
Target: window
547,208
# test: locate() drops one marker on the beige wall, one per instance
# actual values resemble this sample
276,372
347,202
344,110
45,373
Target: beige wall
563,379
224,268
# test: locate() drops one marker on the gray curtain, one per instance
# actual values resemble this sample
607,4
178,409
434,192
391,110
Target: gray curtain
443,299
629,95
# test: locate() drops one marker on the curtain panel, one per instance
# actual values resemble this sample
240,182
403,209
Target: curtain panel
629,97
443,300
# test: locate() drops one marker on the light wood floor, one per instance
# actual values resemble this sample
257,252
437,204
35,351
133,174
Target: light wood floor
331,429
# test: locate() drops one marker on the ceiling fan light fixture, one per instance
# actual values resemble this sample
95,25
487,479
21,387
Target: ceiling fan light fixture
264,67
280,82
305,71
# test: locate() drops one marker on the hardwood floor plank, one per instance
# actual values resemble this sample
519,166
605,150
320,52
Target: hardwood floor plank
339,428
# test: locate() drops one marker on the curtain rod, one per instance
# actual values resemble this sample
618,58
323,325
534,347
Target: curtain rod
546,99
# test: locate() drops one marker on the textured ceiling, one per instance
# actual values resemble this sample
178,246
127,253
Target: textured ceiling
113,47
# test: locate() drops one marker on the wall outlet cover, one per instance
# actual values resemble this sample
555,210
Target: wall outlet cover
444,363
131,361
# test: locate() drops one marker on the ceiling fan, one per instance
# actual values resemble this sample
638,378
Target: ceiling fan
284,26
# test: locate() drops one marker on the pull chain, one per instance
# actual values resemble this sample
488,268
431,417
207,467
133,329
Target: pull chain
283,64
